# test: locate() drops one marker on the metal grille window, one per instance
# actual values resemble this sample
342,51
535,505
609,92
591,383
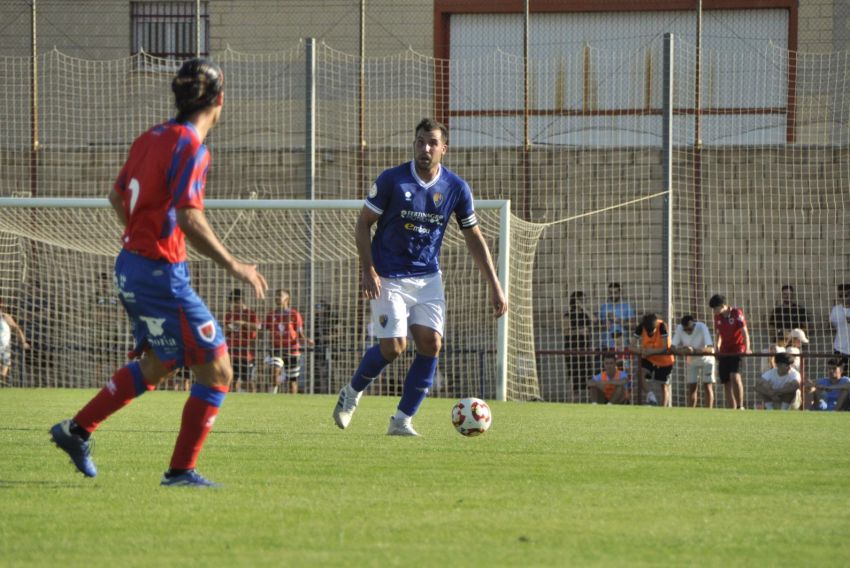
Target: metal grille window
168,29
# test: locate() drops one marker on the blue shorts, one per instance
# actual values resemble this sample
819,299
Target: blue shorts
166,314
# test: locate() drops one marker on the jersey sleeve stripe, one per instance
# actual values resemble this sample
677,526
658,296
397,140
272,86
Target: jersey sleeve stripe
469,222
371,206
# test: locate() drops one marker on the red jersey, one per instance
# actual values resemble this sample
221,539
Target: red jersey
166,170
730,329
240,328
285,326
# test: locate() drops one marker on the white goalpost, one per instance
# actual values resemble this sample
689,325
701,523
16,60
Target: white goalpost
64,249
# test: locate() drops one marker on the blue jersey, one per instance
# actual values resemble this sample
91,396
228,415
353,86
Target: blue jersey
413,219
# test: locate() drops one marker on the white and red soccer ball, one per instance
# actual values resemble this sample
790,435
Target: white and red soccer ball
471,416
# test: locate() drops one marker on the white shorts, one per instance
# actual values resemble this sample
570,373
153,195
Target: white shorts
5,357
700,371
407,301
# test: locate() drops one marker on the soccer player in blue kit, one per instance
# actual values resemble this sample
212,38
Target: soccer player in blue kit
159,199
412,204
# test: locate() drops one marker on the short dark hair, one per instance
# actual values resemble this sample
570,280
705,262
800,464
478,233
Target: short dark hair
687,320
235,295
196,86
782,358
609,355
833,363
716,301
844,287
647,320
614,285
575,296
788,287
429,125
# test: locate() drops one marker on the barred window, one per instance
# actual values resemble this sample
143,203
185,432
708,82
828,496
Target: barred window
167,29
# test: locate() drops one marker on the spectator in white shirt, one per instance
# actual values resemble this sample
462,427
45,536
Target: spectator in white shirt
693,339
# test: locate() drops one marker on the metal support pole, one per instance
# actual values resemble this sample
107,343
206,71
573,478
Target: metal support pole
310,193
34,142
698,79
667,169
197,28
525,79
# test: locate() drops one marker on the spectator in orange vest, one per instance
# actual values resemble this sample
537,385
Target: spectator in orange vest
612,385
652,342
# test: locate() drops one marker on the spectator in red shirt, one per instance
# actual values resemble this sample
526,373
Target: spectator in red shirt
732,339
240,327
286,327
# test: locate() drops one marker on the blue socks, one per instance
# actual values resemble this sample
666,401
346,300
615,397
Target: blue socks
419,379
370,367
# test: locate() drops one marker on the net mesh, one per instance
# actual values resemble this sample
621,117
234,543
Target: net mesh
79,331
759,178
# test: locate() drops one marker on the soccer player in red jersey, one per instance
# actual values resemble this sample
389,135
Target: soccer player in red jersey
159,199
287,331
240,328
732,339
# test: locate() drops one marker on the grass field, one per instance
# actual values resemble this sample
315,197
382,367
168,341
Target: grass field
549,485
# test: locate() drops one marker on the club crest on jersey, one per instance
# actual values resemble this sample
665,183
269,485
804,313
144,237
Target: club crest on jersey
373,191
437,198
155,325
383,320
207,331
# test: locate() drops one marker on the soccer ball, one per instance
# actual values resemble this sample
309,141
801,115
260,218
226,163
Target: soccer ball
471,416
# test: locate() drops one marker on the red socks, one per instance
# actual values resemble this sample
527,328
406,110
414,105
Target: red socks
126,384
199,414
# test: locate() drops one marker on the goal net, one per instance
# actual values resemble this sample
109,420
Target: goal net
57,275
757,195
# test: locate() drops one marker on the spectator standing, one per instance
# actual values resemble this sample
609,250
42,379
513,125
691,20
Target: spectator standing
692,339
578,337
788,314
286,327
732,339
8,325
831,391
326,329
240,328
839,318
652,342
780,386
612,385
615,316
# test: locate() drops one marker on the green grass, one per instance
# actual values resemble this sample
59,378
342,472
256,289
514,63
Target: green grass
549,485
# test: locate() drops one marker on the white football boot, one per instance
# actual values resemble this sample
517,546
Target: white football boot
401,427
346,405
